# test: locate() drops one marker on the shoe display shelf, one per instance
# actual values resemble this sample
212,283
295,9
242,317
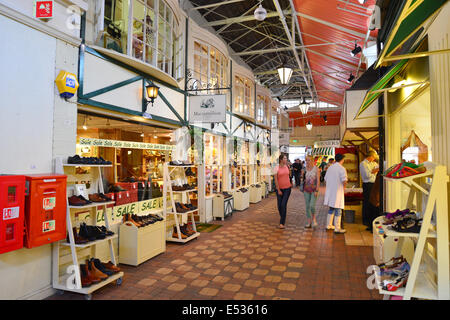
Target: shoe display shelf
138,245
352,167
178,217
70,280
429,276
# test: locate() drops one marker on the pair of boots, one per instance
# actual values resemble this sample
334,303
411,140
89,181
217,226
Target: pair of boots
337,223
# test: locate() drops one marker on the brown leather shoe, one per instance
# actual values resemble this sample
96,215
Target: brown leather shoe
89,274
127,217
85,280
175,233
75,201
111,266
97,272
96,198
77,238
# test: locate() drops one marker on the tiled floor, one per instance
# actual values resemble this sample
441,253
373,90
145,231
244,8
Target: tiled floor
250,258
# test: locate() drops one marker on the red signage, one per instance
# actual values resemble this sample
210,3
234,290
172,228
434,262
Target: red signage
44,9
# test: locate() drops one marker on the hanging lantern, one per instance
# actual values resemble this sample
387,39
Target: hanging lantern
309,125
285,74
304,106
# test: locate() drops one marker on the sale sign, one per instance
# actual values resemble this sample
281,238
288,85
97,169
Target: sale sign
43,9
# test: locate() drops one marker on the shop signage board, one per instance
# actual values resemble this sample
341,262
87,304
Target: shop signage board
284,138
327,143
207,108
123,144
43,9
116,213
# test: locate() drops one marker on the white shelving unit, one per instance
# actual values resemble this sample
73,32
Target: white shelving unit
429,274
167,190
62,283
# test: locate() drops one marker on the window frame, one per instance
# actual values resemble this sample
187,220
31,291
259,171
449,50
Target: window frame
220,67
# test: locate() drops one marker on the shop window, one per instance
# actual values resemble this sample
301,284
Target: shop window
210,66
414,150
153,35
274,121
243,100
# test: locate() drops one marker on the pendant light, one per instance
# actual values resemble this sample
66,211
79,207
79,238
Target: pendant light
304,106
260,13
309,126
284,73
85,123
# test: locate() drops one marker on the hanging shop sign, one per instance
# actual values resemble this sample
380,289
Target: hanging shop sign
67,84
284,138
43,9
123,144
207,108
328,143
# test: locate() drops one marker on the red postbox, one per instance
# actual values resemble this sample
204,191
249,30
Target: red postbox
12,198
45,209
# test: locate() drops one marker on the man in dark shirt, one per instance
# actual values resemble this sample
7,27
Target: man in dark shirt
297,168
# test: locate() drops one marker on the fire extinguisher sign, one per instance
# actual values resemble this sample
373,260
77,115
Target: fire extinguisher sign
11,213
43,9
49,203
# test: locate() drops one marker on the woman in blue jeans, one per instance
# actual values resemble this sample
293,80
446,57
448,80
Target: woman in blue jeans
283,185
311,180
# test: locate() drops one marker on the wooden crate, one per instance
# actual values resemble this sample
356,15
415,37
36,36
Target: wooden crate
137,245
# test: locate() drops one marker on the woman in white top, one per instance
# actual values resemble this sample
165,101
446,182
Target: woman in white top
311,183
335,179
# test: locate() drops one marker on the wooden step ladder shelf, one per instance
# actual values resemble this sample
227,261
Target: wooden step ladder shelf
61,282
429,276
167,191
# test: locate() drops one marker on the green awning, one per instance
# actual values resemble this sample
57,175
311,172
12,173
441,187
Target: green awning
324,151
380,84
413,16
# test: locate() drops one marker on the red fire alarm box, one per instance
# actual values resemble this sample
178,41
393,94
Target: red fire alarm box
45,209
12,198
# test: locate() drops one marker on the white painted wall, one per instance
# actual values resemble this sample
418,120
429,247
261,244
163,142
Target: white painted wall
36,125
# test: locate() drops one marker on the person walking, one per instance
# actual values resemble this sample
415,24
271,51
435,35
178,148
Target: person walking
311,183
297,167
283,185
335,180
368,168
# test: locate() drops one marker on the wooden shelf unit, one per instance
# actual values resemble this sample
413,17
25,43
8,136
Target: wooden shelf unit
429,276
167,190
62,282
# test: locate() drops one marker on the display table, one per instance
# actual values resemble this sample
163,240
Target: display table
241,200
138,245
255,193
222,207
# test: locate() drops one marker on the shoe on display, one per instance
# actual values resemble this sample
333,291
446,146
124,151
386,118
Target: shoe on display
408,225
84,199
86,233
110,266
75,201
96,198
107,199
99,265
88,273
398,282
76,237
85,280
308,226
97,273
175,233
